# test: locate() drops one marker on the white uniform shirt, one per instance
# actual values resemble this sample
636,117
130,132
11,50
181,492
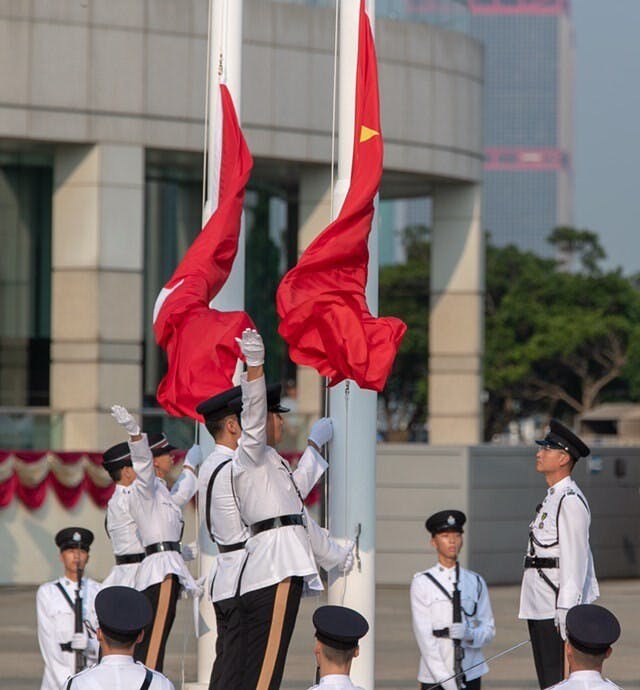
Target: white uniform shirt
264,490
226,523
432,610
118,672
158,514
56,625
585,680
123,533
560,529
335,681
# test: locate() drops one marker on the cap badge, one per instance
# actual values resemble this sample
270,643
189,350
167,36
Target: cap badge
76,536
451,520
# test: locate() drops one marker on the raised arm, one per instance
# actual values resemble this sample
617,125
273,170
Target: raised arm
254,402
141,455
187,483
312,465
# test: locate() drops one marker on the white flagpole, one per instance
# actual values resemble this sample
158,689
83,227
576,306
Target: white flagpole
225,64
352,480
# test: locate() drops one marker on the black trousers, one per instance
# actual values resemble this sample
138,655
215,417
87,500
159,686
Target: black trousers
548,652
227,670
268,618
469,685
163,598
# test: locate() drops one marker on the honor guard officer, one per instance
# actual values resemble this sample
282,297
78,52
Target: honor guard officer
591,630
226,529
158,515
558,566
284,544
65,605
122,613
448,647
338,631
119,523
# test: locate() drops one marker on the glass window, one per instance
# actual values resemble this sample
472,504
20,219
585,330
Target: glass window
25,279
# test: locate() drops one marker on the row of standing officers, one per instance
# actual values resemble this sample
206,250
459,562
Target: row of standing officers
270,548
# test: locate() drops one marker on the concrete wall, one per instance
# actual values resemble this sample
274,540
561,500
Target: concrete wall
134,73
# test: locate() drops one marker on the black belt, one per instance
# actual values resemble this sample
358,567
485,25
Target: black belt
272,523
163,546
226,548
129,558
442,632
536,562
66,647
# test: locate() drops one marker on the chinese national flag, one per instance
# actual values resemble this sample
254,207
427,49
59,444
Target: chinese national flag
200,341
321,302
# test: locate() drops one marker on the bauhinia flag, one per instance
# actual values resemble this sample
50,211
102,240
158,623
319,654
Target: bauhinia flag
321,302
199,341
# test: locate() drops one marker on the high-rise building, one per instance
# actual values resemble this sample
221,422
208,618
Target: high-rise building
528,120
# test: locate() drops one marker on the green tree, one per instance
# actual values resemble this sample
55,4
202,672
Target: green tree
557,342
404,292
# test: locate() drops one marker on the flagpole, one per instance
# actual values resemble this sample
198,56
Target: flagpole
225,65
352,477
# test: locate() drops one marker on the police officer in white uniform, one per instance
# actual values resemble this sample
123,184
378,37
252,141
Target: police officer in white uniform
591,630
122,613
432,594
226,528
338,631
158,515
119,523
558,568
56,602
280,559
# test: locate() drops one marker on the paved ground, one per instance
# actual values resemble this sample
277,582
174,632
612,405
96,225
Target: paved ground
396,658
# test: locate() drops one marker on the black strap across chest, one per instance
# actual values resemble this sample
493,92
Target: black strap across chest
148,677
66,596
207,514
293,481
440,586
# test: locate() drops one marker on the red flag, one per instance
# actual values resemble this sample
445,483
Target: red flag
199,341
321,301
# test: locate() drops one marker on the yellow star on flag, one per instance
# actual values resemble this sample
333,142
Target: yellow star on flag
367,133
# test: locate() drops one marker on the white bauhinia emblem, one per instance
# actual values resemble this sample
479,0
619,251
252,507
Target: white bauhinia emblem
451,520
76,536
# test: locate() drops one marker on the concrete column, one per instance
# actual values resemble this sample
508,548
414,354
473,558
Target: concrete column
456,321
97,263
314,216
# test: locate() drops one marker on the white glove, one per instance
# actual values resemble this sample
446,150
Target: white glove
79,641
561,622
252,347
194,455
321,431
347,562
124,419
457,631
449,684
190,551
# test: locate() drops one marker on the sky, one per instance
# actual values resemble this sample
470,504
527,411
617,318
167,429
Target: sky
607,126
